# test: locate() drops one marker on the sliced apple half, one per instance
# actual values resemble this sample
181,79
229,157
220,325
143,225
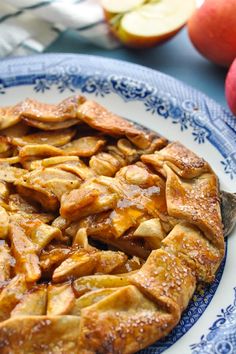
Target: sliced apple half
120,6
140,23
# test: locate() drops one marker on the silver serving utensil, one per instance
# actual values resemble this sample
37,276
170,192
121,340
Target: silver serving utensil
228,211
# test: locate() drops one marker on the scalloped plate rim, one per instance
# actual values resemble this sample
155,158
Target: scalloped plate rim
229,122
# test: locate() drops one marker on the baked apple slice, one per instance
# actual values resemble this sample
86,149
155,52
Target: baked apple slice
141,24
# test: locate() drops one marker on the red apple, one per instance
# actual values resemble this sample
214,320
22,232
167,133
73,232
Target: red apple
230,87
212,30
140,24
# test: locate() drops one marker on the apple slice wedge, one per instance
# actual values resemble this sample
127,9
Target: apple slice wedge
120,6
140,23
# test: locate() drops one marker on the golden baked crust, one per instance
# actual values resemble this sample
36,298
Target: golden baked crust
40,334
105,230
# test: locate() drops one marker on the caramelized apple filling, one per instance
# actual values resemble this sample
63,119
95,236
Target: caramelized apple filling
105,230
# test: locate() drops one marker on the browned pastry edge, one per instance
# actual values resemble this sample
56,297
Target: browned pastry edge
149,301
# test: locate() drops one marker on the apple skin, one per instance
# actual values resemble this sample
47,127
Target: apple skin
230,87
137,41
212,30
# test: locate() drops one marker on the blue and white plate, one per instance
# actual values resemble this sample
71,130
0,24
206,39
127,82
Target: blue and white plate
179,113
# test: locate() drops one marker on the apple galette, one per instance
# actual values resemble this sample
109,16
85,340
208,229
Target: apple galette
105,228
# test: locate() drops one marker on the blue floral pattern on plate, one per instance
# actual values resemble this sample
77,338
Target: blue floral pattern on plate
221,338
183,112
186,108
197,306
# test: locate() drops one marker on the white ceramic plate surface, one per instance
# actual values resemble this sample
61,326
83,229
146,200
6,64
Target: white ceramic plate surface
179,113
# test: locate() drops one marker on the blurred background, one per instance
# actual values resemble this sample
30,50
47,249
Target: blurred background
32,26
